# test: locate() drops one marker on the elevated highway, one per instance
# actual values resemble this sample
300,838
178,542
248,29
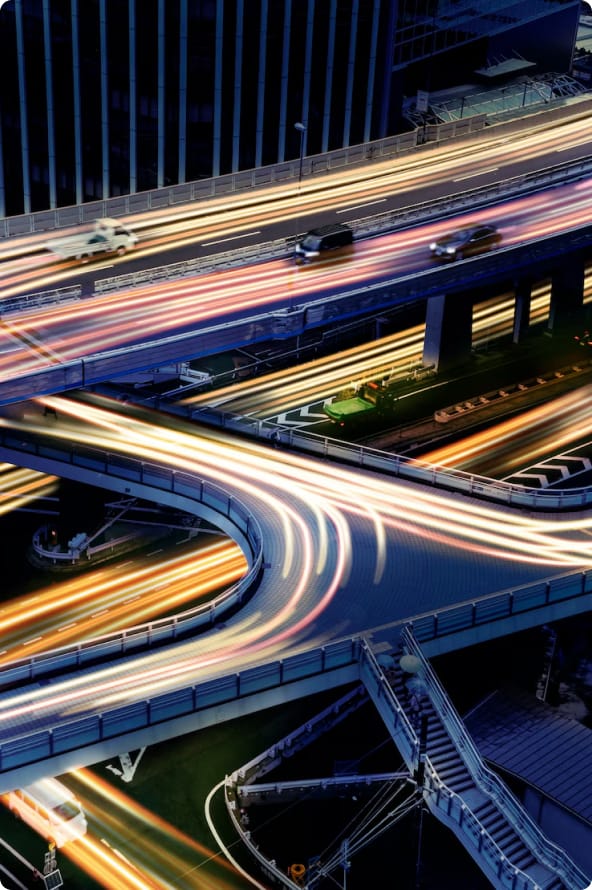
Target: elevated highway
344,557
73,345
150,315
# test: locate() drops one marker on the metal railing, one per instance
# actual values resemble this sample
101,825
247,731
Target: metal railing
364,457
196,494
499,606
449,805
267,760
231,183
313,165
40,299
380,223
456,814
19,749
548,853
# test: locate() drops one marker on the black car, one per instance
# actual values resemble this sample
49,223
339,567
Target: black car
465,242
315,242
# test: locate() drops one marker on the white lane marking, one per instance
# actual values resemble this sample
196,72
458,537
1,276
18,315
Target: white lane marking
233,238
479,173
357,206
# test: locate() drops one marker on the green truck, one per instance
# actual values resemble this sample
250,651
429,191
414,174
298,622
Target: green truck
374,398
345,410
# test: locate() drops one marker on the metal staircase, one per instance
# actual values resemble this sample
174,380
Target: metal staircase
459,789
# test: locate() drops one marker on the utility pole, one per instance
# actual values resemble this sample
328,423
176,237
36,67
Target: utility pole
420,779
345,861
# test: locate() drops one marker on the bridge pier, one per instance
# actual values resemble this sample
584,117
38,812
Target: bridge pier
522,301
449,328
567,292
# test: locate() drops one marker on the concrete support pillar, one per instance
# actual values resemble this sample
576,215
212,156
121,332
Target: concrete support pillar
522,297
567,292
448,334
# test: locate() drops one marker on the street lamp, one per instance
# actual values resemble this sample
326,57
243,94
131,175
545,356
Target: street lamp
302,130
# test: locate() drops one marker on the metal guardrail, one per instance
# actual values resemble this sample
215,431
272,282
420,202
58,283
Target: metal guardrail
548,853
231,183
379,150
73,734
196,493
375,224
230,259
403,467
500,606
40,299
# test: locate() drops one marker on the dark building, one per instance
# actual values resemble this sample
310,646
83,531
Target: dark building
106,97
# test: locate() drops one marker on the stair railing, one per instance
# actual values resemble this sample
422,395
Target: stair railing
548,853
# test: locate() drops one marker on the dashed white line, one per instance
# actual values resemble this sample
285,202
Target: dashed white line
478,173
233,238
357,206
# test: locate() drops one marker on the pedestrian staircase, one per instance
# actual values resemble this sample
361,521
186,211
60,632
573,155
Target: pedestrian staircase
458,788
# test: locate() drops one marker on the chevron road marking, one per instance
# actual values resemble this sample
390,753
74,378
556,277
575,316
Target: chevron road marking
581,464
539,476
305,416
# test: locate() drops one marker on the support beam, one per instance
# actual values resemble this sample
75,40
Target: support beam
448,334
567,292
522,296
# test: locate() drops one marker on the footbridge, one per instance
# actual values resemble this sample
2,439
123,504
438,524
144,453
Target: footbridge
445,773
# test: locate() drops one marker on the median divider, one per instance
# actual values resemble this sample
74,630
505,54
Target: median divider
510,393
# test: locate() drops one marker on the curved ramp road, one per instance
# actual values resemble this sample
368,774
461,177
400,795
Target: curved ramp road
344,552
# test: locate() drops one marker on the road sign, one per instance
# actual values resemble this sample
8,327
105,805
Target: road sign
53,880
422,100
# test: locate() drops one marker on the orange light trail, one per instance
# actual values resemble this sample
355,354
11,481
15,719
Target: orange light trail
273,481
393,357
229,214
106,600
19,487
523,438
144,834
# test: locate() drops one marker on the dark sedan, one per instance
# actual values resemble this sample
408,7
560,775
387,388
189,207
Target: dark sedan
465,242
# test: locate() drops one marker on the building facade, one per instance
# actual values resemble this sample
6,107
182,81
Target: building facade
106,97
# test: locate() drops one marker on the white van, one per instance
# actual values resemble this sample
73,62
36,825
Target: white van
51,809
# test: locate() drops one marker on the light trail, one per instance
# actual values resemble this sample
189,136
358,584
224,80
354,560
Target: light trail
391,358
110,599
228,214
284,489
20,487
68,332
522,439
129,844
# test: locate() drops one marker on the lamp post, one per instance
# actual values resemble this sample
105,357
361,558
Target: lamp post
411,664
302,130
